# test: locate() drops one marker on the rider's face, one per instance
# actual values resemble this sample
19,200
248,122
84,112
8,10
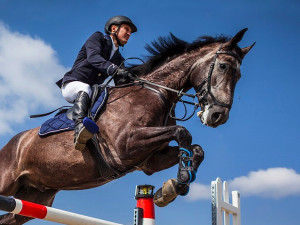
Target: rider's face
123,33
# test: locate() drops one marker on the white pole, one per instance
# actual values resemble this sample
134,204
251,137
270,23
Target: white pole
237,203
226,199
34,210
222,206
64,217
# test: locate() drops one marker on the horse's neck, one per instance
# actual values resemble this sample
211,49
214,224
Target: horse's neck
175,74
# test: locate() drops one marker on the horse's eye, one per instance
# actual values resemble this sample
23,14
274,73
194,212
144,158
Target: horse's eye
223,66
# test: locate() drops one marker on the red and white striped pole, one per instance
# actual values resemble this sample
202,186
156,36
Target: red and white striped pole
47,213
144,213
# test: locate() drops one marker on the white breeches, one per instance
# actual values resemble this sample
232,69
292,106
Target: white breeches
71,89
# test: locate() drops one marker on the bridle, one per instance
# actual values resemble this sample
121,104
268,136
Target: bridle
202,90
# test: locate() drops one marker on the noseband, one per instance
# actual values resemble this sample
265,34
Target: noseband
203,91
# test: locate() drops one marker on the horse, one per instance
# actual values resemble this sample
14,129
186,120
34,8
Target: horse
135,126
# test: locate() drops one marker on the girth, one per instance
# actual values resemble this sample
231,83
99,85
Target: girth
104,169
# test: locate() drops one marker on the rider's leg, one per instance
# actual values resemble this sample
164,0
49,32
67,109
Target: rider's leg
70,90
80,111
79,93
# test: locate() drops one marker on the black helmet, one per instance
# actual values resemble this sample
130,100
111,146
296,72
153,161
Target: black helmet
118,20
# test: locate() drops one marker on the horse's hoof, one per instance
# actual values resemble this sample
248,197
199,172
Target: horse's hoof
169,191
162,199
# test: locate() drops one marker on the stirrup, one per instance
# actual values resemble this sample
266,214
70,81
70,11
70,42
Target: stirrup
186,173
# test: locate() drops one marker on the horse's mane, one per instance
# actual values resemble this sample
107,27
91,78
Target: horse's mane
166,48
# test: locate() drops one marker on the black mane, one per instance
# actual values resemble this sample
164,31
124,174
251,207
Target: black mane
167,48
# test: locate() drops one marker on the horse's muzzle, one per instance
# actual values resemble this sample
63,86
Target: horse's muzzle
214,115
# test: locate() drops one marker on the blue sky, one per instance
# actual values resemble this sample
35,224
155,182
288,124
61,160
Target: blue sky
257,150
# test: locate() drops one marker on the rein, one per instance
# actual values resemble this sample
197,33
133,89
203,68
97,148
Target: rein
180,94
202,91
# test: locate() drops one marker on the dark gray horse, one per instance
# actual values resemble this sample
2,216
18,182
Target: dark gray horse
134,128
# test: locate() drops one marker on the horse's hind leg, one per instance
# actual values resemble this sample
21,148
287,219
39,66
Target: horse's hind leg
9,172
30,194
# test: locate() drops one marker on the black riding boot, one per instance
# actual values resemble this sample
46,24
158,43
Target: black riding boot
80,110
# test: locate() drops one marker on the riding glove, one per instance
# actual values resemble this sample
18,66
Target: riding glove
123,76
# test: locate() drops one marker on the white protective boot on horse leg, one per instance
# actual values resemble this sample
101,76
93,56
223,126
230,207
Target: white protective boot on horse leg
80,110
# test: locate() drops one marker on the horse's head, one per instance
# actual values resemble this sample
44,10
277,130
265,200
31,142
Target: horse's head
214,77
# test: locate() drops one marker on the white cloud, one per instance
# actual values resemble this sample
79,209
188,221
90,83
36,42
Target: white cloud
270,183
198,192
29,69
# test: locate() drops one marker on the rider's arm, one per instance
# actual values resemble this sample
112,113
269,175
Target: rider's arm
94,47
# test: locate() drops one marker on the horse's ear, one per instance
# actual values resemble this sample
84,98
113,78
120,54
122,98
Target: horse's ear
237,38
247,49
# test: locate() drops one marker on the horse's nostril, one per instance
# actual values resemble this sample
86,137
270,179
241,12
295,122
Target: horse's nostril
216,116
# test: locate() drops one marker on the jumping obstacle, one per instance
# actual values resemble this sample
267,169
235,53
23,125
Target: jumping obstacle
144,213
222,207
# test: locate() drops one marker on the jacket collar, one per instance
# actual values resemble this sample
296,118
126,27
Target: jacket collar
109,43
108,40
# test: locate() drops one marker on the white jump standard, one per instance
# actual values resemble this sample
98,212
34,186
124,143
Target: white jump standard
220,206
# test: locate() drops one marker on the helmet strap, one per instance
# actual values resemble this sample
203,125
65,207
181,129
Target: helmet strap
116,36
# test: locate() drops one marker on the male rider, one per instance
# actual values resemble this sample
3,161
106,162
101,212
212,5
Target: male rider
98,58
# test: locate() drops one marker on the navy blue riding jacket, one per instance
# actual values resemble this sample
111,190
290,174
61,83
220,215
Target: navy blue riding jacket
92,65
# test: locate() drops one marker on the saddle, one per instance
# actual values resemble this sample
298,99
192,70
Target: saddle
63,121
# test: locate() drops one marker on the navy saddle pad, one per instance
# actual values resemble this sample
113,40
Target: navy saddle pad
61,122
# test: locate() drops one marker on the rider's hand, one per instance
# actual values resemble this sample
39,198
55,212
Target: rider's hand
123,76
122,73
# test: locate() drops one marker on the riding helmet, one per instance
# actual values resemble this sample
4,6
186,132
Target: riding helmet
118,20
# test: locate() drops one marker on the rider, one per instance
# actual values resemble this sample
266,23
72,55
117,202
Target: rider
98,58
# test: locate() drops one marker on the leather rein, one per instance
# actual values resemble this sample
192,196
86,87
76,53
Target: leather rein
202,91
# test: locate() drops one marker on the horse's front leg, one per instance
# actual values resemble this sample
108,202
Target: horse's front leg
148,139
189,157
165,159
169,157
